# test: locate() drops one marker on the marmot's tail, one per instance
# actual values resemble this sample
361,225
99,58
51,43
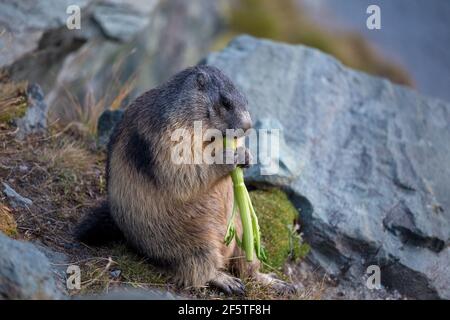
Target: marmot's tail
98,227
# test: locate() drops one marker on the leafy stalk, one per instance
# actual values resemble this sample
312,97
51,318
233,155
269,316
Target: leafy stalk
251,238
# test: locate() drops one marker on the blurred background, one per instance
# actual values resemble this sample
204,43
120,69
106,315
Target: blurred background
126,47
415,35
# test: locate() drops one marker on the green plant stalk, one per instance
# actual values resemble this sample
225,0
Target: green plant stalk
260,252
251,238
240,194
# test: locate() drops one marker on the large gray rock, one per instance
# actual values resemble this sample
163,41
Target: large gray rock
375,181
177,34
122,20
27,24
15,199
23,23
25,272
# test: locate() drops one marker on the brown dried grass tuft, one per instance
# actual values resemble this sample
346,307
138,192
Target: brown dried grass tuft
67,155
7,223
83,114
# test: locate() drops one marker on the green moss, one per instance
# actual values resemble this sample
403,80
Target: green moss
276,216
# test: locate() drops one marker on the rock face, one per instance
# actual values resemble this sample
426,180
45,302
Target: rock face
122,20
28,25
25,22
25,272
263,172
374,183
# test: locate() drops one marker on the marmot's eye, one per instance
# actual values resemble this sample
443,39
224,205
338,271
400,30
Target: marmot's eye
226,103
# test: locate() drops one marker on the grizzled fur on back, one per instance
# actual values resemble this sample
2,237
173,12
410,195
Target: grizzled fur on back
176,214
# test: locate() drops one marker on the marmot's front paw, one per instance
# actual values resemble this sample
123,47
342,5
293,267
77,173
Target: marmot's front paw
244,158
228,284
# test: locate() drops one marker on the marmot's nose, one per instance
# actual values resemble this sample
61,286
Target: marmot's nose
246,124
246,121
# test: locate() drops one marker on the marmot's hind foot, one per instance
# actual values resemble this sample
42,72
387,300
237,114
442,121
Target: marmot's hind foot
279,286
228,284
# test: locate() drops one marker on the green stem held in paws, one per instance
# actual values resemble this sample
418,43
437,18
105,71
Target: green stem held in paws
251,237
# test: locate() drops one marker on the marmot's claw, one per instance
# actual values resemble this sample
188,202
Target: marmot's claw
283,288
228,284
279,286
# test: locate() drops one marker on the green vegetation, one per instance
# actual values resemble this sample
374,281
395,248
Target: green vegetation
276,218
251,237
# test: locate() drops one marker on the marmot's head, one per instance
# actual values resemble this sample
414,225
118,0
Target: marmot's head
204,93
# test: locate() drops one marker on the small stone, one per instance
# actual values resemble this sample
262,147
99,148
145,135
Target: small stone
115,273
16,199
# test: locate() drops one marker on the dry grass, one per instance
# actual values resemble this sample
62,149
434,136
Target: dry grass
83,114
62,177
66,155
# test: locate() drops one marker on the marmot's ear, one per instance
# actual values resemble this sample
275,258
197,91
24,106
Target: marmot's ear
201,80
